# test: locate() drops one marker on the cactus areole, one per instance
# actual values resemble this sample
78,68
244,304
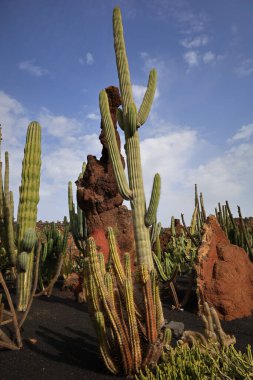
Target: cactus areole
130,120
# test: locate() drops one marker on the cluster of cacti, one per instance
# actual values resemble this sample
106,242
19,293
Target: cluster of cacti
52,256
19,244
207,355
238,233
180,255
125,309
186,363
125,306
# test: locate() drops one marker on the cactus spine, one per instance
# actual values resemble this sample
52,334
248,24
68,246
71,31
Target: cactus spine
27,210
130,120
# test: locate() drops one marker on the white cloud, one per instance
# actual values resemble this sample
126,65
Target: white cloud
194,42
154,62
245,68
59,126
89,59
178,155
208,57
181,161
227,177
33,69
139,92
244,133
191,57
93,116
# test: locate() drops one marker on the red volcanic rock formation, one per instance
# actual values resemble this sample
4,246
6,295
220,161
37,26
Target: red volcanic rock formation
224,274
98,196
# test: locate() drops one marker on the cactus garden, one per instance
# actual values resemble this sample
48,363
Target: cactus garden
110,292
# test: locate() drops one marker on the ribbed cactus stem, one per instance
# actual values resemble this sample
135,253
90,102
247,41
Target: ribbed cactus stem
6,174
150,216
113,147
148,99
141,231
27,211
122,61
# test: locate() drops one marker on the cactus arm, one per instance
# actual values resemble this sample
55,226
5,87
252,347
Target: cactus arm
6,174
150,216
131,120
103,343
122,62
149,304
134,334
120,119
113,148
148,99
115,257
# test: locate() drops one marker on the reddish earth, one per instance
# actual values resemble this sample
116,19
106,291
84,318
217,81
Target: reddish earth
224,274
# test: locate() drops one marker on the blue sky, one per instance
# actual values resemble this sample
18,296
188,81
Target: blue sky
57,55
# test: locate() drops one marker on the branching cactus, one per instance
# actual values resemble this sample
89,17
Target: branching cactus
127,315
27,212
130,120
125,305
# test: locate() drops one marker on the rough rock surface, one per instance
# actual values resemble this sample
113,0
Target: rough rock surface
98,196
224,274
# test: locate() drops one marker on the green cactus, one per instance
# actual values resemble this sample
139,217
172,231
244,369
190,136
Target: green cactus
125,305
27,209
78,225
53,253
130,120
134,325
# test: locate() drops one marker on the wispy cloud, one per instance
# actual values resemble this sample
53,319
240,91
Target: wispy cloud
191,58
245,68
244,133
59,126
89,59
194,42
93,116
30,67
209,57
154,62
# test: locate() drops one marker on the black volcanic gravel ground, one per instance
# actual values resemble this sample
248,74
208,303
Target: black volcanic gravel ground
66,347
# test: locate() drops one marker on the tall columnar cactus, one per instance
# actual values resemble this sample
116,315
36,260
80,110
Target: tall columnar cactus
125,305
130,120
27,209
6,215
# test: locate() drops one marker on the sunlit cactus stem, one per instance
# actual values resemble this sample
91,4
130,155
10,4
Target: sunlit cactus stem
130,120
27,210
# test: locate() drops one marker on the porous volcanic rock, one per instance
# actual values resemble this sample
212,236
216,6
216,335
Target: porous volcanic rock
98,196
224,274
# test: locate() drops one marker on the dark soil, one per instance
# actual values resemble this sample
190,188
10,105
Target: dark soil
66,346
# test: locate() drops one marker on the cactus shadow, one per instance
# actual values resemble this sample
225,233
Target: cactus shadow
75,348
